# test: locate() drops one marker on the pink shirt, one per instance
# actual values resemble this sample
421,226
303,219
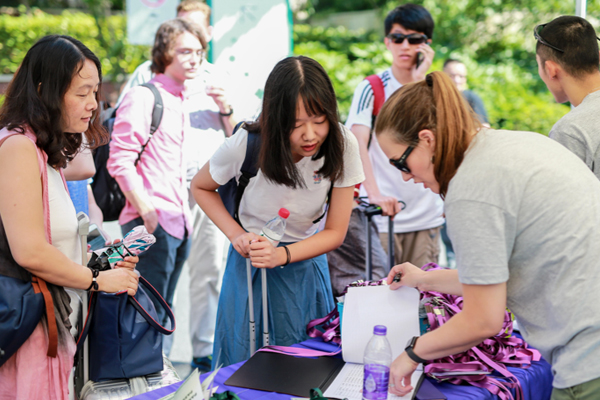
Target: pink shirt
160,173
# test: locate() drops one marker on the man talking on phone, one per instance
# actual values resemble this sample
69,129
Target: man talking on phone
408,32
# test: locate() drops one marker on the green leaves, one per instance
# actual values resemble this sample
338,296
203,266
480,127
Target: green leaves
105,37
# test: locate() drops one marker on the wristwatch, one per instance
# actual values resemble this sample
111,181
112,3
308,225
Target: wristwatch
410,350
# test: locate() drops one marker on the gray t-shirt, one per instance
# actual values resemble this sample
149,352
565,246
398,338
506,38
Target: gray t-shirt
579,131
522,209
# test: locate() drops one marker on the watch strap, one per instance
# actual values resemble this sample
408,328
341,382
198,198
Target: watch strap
411,353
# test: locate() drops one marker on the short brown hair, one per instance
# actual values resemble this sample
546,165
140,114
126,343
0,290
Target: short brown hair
167,34
194,5
435,104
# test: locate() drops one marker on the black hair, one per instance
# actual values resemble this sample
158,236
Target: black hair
450,61
35,97
291,79
410,16
577,38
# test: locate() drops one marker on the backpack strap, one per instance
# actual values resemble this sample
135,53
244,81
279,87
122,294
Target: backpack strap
378,93
157,113
379,99
249,168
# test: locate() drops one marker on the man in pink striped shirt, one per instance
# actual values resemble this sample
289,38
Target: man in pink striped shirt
156,189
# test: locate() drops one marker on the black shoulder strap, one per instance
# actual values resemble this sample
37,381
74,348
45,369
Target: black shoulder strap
249,168
157,113
316,221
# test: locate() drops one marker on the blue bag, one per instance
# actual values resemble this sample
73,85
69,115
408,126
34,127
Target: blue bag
21,309
125,339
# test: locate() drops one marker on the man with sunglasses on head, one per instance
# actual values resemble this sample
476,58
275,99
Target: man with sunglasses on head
568,59
408,32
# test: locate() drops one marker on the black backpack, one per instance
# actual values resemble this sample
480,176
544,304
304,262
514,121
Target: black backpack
107,193
231,192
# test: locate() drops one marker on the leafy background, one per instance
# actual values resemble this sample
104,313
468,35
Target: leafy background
492,37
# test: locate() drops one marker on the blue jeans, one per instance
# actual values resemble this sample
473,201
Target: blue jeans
162,263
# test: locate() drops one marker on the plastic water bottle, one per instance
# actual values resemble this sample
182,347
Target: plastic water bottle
377,361
275,228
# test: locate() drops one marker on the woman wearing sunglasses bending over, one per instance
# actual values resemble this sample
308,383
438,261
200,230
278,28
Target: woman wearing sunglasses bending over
523,214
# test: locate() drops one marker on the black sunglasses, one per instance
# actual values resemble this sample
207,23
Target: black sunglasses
538,37
413,38
400,163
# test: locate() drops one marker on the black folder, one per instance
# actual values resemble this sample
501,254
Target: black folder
274,372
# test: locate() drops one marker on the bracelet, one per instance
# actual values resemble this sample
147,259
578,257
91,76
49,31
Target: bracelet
289,256
227,114
94,283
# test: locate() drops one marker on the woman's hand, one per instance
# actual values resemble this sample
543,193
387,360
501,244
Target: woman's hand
241,243
264,255
117,280
401,370
410,275
128,262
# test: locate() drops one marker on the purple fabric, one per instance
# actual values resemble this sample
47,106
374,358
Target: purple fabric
536,382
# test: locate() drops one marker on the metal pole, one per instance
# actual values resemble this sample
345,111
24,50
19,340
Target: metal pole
580,8
251,308
391,243
368,272
265,305
83,230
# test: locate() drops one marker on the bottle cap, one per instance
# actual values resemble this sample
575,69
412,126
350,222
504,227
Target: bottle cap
380,330
284,213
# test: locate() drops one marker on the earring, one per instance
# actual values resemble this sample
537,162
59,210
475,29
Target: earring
432,159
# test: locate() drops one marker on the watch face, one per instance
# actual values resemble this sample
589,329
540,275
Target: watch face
411,341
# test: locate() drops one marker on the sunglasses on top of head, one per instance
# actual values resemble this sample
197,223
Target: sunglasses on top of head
413,38
400,163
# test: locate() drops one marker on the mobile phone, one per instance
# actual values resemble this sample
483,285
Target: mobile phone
95,238
420,58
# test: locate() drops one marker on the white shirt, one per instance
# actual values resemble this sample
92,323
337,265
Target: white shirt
263,199
424,208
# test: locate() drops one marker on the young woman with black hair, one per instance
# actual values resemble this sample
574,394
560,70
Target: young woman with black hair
523,214
303,150
50,104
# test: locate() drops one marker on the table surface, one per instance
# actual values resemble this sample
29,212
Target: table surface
536,382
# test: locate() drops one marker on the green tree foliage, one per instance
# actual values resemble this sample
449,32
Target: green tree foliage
105,37
493,38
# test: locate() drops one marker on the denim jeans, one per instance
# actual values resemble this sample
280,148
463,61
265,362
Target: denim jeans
162,263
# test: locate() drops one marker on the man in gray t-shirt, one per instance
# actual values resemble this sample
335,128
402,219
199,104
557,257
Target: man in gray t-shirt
567,56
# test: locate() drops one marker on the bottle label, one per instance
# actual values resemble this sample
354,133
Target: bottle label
376,380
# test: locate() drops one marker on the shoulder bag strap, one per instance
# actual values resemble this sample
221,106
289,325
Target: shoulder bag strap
140,309
157,113
39,285
379,99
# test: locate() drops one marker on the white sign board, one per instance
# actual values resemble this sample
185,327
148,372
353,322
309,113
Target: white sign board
249,38
145,16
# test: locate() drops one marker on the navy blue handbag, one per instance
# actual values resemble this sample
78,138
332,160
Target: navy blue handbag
21,309
125,339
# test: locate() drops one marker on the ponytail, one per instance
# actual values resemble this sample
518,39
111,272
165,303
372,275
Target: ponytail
435,104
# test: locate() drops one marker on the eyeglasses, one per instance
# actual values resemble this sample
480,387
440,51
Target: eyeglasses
413,38
186,54
400,163
538,37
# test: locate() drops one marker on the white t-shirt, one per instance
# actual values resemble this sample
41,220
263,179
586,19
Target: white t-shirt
424,208
63,220
263,199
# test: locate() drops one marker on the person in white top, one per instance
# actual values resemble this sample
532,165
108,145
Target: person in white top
408,32
211,121
305,153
